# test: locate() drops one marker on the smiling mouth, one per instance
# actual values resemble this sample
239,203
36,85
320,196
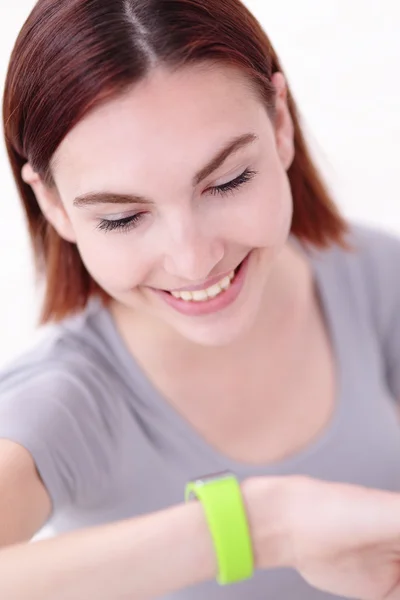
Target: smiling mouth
208,293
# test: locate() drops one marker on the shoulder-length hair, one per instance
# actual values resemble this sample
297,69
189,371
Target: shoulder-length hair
72,55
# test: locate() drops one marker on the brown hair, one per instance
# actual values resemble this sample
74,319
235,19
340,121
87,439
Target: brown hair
73,54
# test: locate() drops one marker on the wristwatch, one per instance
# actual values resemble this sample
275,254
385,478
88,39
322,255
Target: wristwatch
222,500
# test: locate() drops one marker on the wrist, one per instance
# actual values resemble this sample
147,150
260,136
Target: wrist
201,552
266,501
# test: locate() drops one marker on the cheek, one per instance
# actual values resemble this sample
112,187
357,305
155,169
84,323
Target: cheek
266,220
280,211
114,260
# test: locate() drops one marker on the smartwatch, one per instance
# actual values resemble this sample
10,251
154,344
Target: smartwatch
222,501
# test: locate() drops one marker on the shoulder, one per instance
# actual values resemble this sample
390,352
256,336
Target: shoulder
71,352
367,268
372,250
59,400
374,257
378,251
364,284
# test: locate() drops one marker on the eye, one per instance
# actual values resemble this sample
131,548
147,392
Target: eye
230,186
125,224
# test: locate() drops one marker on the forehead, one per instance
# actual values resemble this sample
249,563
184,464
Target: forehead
167,119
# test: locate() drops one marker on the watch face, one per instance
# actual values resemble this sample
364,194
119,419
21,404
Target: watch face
205,479
213,477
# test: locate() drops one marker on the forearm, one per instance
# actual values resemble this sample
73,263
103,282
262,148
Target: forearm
141,559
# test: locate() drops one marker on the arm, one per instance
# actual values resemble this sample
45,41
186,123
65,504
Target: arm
133,559
140,558
24,502
343,539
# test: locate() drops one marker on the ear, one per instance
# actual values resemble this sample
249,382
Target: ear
284,129
50,203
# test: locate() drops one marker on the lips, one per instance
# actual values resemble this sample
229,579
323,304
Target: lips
212,282
223,300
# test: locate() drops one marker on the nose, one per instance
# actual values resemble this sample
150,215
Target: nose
191,255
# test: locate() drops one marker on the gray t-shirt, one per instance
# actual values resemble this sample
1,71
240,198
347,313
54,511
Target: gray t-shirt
109,447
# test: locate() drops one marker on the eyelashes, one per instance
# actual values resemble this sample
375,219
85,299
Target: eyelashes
125,224
133,221
230,186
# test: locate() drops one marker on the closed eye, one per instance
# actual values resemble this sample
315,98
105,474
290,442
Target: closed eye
230,186
124,224
133,221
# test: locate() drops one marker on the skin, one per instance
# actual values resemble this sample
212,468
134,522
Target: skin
343,539
144,143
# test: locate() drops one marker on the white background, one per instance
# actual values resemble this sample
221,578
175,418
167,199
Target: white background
342,60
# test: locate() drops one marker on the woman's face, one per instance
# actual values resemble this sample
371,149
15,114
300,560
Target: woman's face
169,189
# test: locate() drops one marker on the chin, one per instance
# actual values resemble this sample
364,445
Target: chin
230,323
215,337
225,328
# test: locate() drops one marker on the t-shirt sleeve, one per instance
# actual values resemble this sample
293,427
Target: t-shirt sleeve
383,288
58,416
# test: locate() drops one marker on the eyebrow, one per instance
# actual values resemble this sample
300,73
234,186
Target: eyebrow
93,198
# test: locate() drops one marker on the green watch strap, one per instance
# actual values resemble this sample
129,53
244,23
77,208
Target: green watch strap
226,516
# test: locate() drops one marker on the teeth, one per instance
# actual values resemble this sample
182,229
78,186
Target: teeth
199,296
226,283
186,296
211,292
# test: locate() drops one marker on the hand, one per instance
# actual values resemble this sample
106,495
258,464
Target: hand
342,539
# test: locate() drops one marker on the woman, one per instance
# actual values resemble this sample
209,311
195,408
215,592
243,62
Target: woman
210,310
